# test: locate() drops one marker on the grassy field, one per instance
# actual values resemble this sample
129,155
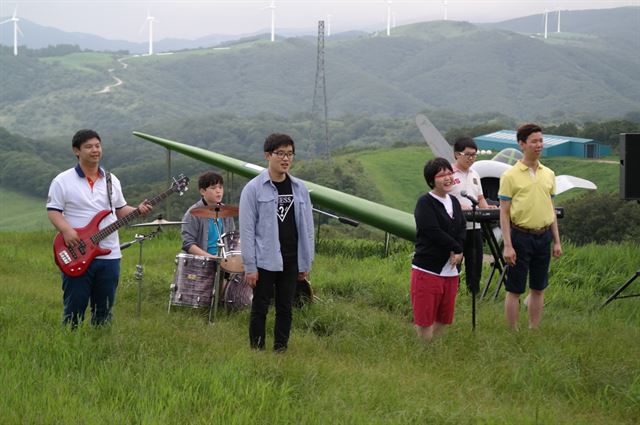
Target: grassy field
22,212
353,357
91,62
397,173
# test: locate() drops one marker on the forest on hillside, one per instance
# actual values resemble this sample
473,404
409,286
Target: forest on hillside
242,137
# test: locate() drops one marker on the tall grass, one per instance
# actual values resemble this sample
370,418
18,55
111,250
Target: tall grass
353,356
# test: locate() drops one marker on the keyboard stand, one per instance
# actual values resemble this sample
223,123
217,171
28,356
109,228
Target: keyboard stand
498,264
487,219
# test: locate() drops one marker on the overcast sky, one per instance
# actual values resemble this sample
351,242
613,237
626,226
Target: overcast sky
123,19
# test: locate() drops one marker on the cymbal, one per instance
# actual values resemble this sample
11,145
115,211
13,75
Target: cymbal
158,222
216,211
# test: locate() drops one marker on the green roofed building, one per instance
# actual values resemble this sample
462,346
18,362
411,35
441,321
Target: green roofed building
553,145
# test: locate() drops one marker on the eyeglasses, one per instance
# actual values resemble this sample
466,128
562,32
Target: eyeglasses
442,175
469,155
282,154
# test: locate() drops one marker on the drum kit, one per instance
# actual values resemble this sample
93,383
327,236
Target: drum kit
207,282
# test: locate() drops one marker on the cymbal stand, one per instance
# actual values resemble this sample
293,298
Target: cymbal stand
216,285
139,268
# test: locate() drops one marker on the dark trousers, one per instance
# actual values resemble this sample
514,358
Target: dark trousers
533,256
282,287
473,261
98,285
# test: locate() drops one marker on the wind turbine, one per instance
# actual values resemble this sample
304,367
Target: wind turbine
546,18
16,30
445,3
558,20
328,25
272,6
391,220
150,20
388,17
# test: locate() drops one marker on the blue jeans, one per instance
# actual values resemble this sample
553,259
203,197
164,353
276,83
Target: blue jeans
97,285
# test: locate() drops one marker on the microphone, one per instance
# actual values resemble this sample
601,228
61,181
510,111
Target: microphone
126,245
473,200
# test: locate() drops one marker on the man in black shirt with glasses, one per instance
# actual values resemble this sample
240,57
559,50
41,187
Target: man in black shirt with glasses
276,230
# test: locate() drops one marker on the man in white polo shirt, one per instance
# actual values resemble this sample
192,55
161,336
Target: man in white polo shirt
75,197
467,180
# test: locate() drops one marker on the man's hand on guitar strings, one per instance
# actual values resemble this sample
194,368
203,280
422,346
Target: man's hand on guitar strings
145,207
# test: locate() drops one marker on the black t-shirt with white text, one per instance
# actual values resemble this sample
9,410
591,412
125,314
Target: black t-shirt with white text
286,220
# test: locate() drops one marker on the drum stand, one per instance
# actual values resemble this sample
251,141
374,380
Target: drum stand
139,269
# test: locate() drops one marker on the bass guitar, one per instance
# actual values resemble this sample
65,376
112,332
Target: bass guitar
75,261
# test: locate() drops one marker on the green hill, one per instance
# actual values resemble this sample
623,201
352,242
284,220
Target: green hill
22,212
590,23
433,65
397,174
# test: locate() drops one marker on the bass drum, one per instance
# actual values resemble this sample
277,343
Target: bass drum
304,294
238,295
193,281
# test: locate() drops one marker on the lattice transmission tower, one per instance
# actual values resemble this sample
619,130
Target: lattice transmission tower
319,130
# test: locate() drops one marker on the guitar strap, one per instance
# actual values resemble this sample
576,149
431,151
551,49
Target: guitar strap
109,189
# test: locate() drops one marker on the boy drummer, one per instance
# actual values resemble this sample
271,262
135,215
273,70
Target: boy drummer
200,235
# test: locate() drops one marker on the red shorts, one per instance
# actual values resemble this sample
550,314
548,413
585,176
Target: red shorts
433,298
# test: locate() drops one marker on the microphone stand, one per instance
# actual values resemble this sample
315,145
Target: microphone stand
343,220
473,256
139,269
474,249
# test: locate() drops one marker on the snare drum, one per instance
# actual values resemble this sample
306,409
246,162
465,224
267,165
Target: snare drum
238,294
231,254
193,281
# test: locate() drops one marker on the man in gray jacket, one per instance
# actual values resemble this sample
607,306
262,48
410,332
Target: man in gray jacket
276,230
200,235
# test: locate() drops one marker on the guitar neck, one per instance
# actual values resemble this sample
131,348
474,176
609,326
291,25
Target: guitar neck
96,238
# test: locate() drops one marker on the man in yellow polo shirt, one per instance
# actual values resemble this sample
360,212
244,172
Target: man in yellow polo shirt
528,222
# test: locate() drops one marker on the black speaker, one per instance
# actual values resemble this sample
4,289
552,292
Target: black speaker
630,166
